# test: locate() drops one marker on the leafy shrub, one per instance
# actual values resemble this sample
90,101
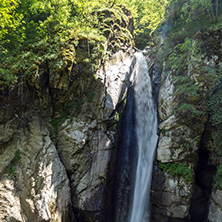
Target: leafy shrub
178,170
190,110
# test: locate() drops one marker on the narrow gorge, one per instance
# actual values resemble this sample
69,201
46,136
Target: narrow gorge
111,111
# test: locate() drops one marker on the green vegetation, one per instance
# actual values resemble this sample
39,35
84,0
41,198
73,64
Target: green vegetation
35,32
163,130
179,33
16,158
91,96
178,170
189,109
218,178
215,108
43,139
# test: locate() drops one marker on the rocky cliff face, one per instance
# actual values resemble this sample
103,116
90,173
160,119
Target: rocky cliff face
34,183
58,129
58,133
187,152
87,143
53,168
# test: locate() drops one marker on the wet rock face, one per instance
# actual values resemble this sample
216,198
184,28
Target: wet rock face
171,194
212,143
182,124
50,171
215,213
86,154
86,143
34,185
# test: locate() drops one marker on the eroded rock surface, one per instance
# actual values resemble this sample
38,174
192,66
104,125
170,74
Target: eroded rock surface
183,116
86,143
34,184
215,209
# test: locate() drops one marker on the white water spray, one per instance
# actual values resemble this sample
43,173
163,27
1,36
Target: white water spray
146,133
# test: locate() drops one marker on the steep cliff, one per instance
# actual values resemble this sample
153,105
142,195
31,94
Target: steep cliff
188,152
67,118
58,127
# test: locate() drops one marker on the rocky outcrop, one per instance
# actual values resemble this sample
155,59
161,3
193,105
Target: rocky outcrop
34,184
171,193
58,126
183,113
212,145
215,213
86,143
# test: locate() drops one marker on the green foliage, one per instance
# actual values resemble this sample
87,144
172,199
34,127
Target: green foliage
178,170
48,28
91,96
10,22
16,158
184,19
43,139
55,124
147,14
215,108
186,88
196,10
7,76
218,178
179,59
163,130
190,110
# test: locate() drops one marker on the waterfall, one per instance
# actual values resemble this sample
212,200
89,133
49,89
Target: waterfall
146,136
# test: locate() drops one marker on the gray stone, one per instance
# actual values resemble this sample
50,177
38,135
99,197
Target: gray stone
165,100
175,142
38,187
215,209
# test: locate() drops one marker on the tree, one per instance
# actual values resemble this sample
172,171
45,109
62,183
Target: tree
198,10
9,19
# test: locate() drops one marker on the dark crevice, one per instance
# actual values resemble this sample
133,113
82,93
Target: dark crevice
202,188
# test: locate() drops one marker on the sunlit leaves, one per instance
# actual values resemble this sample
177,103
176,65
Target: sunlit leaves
9,19
154,13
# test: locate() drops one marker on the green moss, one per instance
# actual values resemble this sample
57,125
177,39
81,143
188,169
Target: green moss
163,130
215,108
118,117
218,178
178,170
43,139
190,110
91,96
12,166
55,123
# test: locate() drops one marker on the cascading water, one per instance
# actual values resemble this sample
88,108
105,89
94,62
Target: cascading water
146,136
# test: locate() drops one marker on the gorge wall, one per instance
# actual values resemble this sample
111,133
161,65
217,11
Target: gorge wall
62,141
55,165
58,130
185,187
